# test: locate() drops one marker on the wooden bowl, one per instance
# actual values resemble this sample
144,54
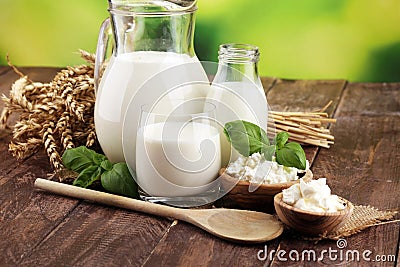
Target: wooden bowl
311,223
261,199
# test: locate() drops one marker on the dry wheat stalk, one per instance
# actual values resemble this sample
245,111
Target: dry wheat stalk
304,127
90,58
56,115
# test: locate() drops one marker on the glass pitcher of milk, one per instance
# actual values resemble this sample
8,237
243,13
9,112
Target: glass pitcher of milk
152,57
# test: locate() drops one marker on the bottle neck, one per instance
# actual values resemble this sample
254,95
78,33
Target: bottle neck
239,71
238,62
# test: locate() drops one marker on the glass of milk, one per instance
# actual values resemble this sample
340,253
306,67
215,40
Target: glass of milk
178,154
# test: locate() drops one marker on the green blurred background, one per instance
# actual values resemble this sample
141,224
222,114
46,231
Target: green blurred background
357,40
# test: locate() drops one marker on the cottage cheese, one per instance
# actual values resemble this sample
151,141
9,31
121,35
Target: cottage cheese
256,169
314,195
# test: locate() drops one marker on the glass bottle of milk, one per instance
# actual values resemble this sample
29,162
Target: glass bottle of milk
237,91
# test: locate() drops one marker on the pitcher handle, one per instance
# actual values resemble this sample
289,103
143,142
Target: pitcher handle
101,51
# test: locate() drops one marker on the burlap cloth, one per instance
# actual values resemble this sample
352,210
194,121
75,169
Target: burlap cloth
361,218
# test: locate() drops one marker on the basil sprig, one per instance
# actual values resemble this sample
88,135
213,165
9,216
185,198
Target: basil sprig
248,138
93,166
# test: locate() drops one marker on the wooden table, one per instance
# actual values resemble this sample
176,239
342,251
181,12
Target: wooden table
39,228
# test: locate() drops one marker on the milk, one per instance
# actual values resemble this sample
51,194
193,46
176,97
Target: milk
140,78
244,100
177,159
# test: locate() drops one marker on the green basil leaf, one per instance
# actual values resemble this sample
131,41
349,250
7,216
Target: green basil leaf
119,181
247,138
294,146
88,176
269,152
106,165
80,158
291,155
280,139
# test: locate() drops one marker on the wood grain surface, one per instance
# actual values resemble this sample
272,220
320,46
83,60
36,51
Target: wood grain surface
367,171
26,217
362,166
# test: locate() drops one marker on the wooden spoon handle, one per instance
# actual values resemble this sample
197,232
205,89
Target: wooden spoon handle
110,199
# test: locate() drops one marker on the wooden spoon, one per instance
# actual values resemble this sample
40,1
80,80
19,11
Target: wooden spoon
234,225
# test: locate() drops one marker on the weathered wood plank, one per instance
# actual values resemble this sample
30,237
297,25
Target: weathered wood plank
397,261
95,235
25,216
301,95
371,152
371,99
39,74
4,70
6,79
8,163
362,166
367,170
4,135
186,245
7,76
268,83
367,139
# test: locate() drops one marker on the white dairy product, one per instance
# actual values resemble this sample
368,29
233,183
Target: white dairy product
124,75
314,196
256,169
176,159
244,100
